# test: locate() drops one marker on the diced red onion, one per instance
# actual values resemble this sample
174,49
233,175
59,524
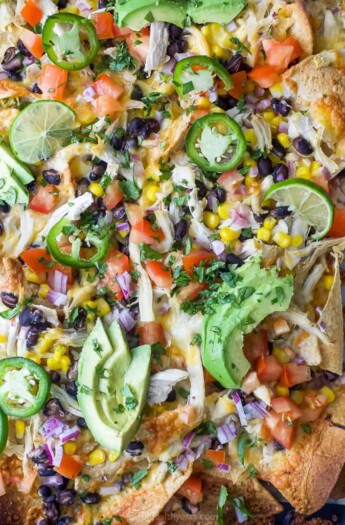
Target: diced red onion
240,218
212,202
259,92
223,467
3,75
318,309
123,226
89,94
263,104
283,127
58,281
255,410
181,56
226,432
53,481
241,518
291,167
69,434
169,67
164,308
124,281
108,491
204,443
298,360
231,26
52,427
253,172
58,455
188,439
58,299
251,99
324,171
49,450
126,320
323,326
218,247
190,454
213,95
239,408
182,462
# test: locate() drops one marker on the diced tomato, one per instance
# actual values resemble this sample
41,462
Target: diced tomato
207,377
250,382
117,263
199,113
191,291
32,42
142,232
320,180
134,213
268,368
121,32
32,13
150,333
294,374
194,258
338,226
44,201
310,414
70,466
264,76
136,49
216,456
230,180
105,85
159,274
286,406
113,195
192,490
240,82
255,345
297,50
281,431
278,54
53,81
35,257
106,105
104,24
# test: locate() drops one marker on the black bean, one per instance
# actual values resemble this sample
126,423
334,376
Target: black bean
341,174
52,177
4,207
102,4
31,187
24,51
36,89
65,520
234,65
79,321
280,173
172,396
52,510
45,521
90,498
179,46
44,491
38,328
174,32
277,446
2,228
67,497
275,104
227,102
119,212
32,338
81,423
280,212
9,299
83,187
63,484
46,472
302,146
189,507
153,125
54,408
55,376
124,247
116,142
72,372
264,166
281,106
233,259
39,456
99,168
181,230
12,60
202,190
260,217
62,4
137,93
31,316
220,194
14,76
130,143
94,176
135,126
135,448
50,498
71,389
278,149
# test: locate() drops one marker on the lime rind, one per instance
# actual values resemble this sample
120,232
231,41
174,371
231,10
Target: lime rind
40,130
306,199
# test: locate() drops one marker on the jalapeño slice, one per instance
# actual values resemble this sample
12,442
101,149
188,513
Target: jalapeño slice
198,73
216,143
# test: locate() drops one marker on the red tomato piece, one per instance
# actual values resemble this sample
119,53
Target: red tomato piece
142,232
138,51
230,180
32,42
338,226
310,414
216,456
268,368
105,85
286,406
294,374
44,201
70,466
240,82
191,291
282,431
297,50
134,213
104,24
32,13
255,345
264,76
150,333
117,263
192,490
113,195
158,274
278,54
194,258
106,105
53,81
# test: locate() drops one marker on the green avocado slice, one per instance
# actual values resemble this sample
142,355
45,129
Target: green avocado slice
11,189
138,14
257,293
219,11
21,172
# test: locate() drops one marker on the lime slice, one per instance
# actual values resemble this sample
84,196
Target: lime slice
40,130
307,200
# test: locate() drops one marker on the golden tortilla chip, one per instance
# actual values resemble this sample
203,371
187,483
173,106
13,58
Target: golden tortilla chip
9,89
293,20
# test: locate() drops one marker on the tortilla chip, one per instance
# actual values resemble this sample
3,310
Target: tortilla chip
306,474
9,89
172,139
293,20
18,509
338,491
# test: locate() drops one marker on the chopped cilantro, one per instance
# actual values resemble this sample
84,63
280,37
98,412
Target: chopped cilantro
148,253
130,401
123,59
137,477
129,189
222,499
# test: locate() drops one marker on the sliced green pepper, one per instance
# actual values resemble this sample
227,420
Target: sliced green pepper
24,387
216,143
197,73
3,430
73,259
70,41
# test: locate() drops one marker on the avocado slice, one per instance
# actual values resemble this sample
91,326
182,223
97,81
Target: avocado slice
22,173
257,293
137,14
112,385
11,189
219,11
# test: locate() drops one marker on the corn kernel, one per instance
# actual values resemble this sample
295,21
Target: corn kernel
3,338
73,10
113,456
282,239
65,363
224,210
96,189
96,457
282,391
152,172
43,290
297,240
53,364
268,116
250,137
274,159
250,162
123,233
31,276
269,223
281,355
103,307
276,90
303,172
276,121
315,166
203,103
20,429
284,140
219,52
33,357
263,234
248,181
228,235
151,192
211,219
249,87
328,392
59,351
70,448
207,31
297,396
327,281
